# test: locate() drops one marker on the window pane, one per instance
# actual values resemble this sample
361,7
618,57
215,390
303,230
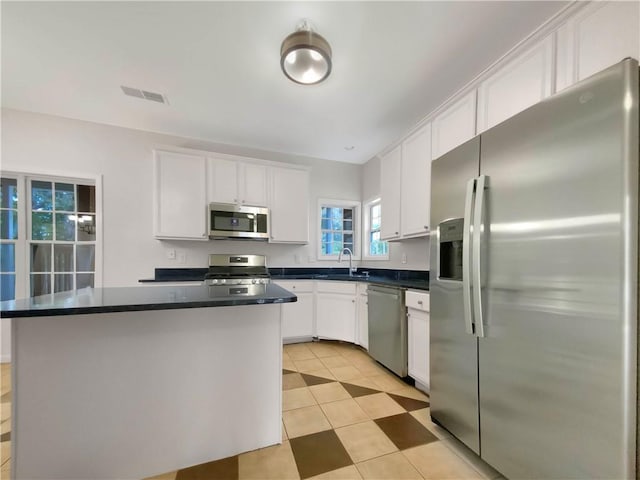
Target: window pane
65,197
41,196
327,237
62,258
8,193
7,257
327,248
85,258
325,212
63,283
336,224
348,213
326,224
41,226
8,224
337,238
84,280
348,245
40,257
86,198
336,213
348,238
7,287
40,284
65,227
337,247
86,228
347,225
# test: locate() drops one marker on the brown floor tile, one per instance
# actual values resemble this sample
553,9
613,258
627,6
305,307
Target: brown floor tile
344,412
411,392
329,392
274,462
297,398
405,431
364,441
304,421
310,379
389,467
292,380
409,404
345,373
225,469
285,371
164,476
335,361
435,461
379,405
319,453
357,390
5,437
324,373
364,382
344,473
309,365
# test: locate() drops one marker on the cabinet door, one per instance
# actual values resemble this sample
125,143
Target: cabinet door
418,335
363,322
454,126
390,177
180,196
297,317
416,183
596,37
253,184
336,316
521,83
222,180
289,206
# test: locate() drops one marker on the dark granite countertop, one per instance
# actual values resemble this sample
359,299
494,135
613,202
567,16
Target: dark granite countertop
131,299
416,279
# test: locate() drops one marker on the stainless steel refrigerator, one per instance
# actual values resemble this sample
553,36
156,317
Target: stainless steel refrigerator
534,285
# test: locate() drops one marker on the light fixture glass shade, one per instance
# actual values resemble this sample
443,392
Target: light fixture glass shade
305,57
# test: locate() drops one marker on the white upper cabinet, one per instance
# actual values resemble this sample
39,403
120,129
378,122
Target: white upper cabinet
289,205
519,84
596,37
180,196
390,178
415,183
233,181
454,126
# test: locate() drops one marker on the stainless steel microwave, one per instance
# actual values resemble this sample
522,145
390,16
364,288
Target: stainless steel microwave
230,221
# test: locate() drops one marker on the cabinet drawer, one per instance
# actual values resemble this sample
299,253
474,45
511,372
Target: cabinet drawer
348,288
417,300
298,286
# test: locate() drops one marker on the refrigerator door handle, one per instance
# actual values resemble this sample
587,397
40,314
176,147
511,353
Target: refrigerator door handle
466,257
481,185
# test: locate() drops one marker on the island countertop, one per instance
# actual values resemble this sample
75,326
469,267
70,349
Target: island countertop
131,299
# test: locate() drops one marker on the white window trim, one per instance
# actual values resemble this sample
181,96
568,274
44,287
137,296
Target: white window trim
366,209
24,221
357,207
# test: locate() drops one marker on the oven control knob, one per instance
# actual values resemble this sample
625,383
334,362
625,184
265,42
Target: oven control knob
213,281
223,281
253,280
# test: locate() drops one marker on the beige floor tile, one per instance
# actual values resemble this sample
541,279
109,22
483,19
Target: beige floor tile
5,426
411,392
364,441
292,380
354,354
297,398
344,412
322,350
389,467
369,368
288,363
304,421
309,365
335,361
364,382
324,373
164,476
299,352
388,382
276,462
345,373
379,405
5,471
285,437
329,392
345,473
5,452
435,461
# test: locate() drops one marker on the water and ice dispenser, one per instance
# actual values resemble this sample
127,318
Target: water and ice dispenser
451,235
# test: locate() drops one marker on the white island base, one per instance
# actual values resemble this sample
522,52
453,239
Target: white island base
134,394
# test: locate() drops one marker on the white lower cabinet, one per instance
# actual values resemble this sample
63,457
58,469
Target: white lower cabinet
362,329
418,337
298,317
336,310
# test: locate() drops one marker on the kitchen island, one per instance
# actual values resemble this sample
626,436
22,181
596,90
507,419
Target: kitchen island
132,382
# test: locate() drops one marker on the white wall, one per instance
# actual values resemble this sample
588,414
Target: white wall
124,158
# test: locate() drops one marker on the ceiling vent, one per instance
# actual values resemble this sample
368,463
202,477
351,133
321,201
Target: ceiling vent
136,92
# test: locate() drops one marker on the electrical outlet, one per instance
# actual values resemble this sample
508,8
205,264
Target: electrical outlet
404,258
171,254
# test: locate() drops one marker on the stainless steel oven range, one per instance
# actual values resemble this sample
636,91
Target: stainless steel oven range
231,275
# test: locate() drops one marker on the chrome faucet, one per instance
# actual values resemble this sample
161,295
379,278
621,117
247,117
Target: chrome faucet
351,268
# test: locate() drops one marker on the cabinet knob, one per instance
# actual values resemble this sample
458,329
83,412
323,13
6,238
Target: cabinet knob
426,227
419,302
397,233
235,200
353,301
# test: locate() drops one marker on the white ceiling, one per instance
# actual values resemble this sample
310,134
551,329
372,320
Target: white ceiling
218,64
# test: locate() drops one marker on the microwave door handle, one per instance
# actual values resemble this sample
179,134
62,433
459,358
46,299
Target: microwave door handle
466,257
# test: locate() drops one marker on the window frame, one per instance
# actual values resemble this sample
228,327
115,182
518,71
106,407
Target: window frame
353,204
366,231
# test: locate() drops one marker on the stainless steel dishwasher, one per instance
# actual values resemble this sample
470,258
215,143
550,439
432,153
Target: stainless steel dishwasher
388,328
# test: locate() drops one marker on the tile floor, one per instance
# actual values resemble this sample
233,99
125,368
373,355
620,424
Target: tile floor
344,417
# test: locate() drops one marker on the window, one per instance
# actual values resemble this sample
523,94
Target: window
48,235
339,228
375,248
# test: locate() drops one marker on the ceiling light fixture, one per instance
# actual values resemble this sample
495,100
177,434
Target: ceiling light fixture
305,56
